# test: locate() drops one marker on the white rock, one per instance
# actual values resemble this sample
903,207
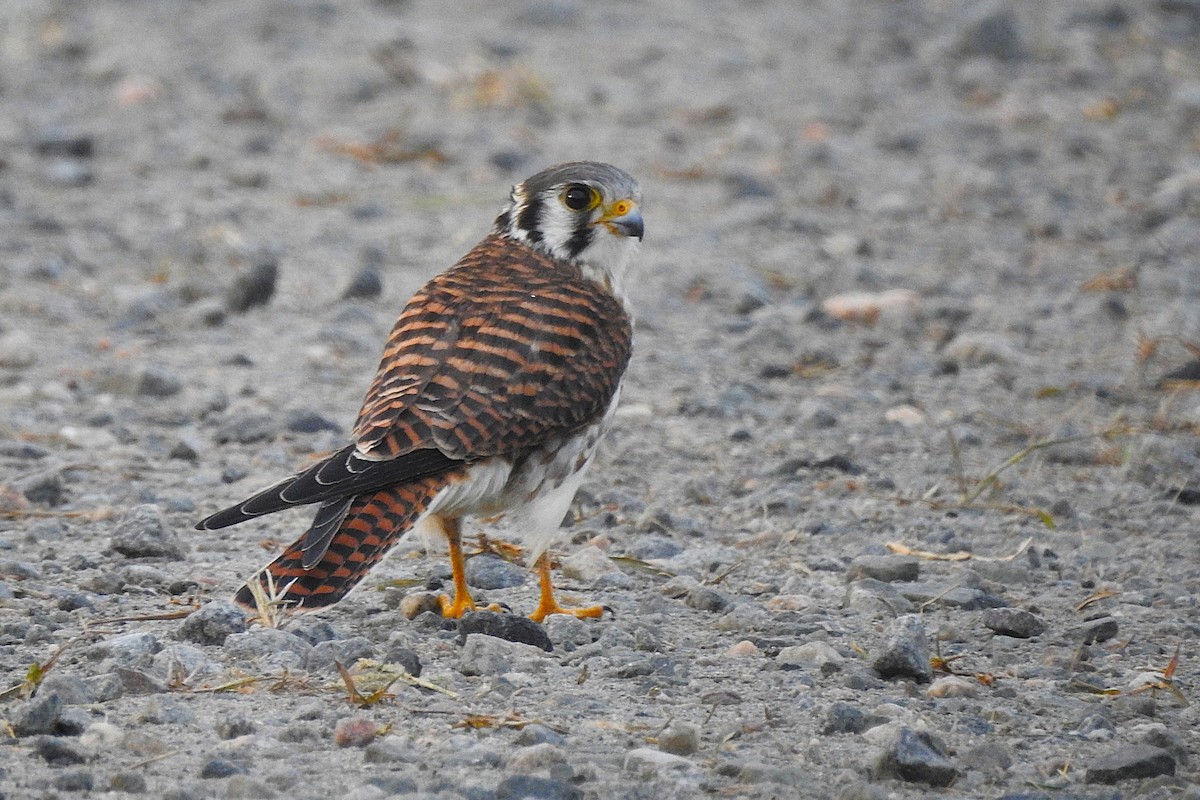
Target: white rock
587,565
487,655
815,653
906,416
868,307
645,762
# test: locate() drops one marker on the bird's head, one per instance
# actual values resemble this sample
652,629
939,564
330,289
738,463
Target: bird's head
585,212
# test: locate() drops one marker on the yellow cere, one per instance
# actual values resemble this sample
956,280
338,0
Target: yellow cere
621,208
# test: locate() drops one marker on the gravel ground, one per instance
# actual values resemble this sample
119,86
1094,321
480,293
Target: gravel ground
898,503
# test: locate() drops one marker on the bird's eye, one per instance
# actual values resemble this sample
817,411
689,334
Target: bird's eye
579,197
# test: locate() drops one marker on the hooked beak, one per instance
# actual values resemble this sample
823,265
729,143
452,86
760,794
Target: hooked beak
628,223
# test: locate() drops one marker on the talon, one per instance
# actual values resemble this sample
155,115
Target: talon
547,605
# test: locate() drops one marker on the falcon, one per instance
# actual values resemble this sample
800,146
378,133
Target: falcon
495,387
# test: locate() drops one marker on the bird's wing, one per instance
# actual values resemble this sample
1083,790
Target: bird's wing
504,351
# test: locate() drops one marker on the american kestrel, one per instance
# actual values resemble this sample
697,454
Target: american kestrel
496,385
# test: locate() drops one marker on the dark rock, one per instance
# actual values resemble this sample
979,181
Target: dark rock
346,652
365,285
137,682
60,751
843,718
393,784
1129,762
306,421
995,35
247,429
704,598
1014,622
22,450
489,572
213,623
45,488
64,143
504,626
128,781
531,787
314,631
913,757
1097,630
222,768
399,654
265,642
143,532
233,725
906,654
75,780
39,715
884,568
158,382
255,287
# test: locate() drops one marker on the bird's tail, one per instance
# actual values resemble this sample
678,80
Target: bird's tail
374,523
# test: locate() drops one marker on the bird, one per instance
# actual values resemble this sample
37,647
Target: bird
496,385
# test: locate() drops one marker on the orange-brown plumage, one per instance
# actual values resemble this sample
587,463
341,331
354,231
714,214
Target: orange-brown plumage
493,390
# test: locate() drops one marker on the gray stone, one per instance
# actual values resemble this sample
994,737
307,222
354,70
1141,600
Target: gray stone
995,35
137,682
489,572
244,787
158,382
144,532
968,598
267,643
314,631
71,689
1129,762
708,599
1014,622
38,715
21,570
504,626
45,488
906,653
213,623
75,780
884,568
131,649
233,725
679,738
344,651
255,287
1095,631
646,763
531,787
367,284
399,654
843,718
60,751
539,734
487,655
876,597
222,768
128,781
912,757
393,784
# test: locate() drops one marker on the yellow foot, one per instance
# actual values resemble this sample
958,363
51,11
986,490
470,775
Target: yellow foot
588,612
454,609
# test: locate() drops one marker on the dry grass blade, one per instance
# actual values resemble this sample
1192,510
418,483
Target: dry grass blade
1103,594
989,480
270,608
960,555
37,672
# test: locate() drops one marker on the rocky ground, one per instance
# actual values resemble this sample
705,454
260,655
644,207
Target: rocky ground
903,497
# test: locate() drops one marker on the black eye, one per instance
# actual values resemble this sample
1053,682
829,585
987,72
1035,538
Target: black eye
579,197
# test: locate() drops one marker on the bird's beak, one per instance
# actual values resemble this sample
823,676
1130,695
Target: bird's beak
623,218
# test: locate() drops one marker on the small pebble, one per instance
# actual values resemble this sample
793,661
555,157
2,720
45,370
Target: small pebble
365,285
818,654
912,756
679,738
744,649
1014,622
489,572
1129,762
884,568
355,732
222,768
1097,630
144,532
509,627
843,718
588,565
704,598
213,623
488,655
255,287
906,653
952,686
61,751
75,780
38,715
416,603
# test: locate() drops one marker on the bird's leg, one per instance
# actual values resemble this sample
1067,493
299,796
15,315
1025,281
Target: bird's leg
462,602
548,605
